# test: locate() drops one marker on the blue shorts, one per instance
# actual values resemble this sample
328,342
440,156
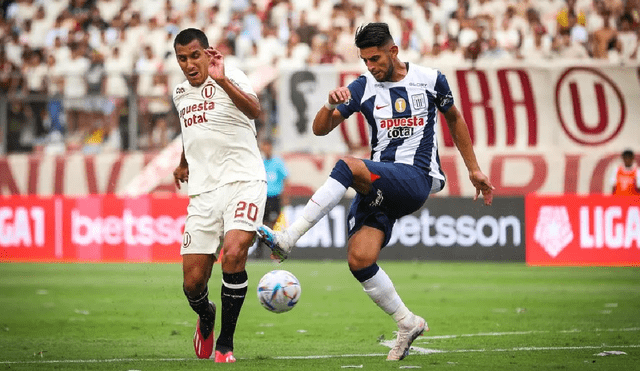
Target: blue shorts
400,190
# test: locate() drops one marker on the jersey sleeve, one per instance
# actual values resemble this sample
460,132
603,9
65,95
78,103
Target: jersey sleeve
444,97
356,88
241,81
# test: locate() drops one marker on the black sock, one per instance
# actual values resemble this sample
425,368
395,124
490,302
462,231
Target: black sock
234,289
201,306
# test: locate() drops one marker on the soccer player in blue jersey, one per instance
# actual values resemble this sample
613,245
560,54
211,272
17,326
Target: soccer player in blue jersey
399,101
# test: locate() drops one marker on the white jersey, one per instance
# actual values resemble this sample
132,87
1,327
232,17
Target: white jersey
219,140
402,116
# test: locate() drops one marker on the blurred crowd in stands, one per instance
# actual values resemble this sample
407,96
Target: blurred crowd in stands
79,67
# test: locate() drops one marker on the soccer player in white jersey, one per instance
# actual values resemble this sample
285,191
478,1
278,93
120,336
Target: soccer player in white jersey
226,184
399,101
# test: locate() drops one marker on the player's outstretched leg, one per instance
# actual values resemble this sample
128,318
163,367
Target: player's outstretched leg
322,201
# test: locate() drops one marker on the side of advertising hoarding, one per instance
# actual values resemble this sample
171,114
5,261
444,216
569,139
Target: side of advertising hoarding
444,229
541,230
149,229
92,229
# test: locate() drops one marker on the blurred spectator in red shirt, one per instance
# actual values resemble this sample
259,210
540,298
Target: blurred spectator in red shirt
625,180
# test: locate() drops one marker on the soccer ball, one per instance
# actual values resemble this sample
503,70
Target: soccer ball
279,291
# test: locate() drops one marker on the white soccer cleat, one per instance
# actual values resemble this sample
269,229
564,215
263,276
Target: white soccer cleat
408,331
278,242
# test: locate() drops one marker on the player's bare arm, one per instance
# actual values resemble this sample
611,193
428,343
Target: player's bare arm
181,173
327,119
246,103
460,135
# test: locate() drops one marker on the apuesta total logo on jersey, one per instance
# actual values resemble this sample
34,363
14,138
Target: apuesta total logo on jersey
197,113
405,121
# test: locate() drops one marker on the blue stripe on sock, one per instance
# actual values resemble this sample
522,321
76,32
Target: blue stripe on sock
366,273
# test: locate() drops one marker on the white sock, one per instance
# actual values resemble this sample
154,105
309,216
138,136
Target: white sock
381,290
253,247
325,198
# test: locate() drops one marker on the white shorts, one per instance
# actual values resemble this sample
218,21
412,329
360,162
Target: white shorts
210,215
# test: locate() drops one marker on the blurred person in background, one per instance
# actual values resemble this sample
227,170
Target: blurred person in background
73,73
296,53
536,45
627,38
226,183
34,71
604,39
159,106
146,67
451,54
55,110
108,9
118,69
277,196
39,27
510,31
401,174
14,48
19,128
625,179
492,52
328,54
563,47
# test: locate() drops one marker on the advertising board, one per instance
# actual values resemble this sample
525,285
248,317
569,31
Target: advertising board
583,230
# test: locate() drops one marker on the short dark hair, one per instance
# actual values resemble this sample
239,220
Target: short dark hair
627,153
373,34
188,35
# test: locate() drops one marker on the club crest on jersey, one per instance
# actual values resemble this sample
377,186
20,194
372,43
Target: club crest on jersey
186,240
208,91
419,101
400,105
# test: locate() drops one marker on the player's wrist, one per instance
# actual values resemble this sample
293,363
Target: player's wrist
330,106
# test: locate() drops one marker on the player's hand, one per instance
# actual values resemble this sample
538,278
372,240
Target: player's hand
339,95
483,185
181,175
216,63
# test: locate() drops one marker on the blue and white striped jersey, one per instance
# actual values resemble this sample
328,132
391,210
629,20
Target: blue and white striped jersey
402,116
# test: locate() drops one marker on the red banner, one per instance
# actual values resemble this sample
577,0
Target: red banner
582,230
93,228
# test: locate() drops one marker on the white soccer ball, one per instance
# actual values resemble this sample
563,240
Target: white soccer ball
279,291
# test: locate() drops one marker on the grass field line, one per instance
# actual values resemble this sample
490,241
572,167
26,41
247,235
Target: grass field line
423,351
426,338
415,351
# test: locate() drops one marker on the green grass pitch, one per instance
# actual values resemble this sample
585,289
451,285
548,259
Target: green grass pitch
483,316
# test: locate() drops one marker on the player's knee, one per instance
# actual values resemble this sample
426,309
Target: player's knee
194,285
234,258
342,173
358,260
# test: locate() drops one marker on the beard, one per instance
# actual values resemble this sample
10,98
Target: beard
387,74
